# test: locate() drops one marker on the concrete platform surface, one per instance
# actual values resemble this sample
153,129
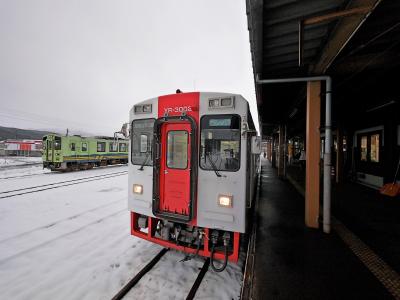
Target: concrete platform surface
293,262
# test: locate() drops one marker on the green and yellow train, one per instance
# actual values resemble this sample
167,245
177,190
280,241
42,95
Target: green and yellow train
67,153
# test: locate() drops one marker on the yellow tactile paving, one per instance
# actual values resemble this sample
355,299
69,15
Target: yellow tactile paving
382,271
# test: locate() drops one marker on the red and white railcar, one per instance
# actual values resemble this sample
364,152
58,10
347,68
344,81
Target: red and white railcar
194,159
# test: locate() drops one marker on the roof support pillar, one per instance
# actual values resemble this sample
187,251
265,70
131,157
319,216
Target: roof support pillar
328,133
281,152
313,121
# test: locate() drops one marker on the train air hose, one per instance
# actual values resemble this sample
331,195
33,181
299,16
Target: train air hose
214,240
220,269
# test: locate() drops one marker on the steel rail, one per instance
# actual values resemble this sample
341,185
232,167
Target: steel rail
60,182
126,288
199,279
59,186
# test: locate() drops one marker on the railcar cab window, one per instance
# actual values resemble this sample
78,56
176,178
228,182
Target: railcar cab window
84,146
122,147
113,147
220,143
72,146
142,141
101,147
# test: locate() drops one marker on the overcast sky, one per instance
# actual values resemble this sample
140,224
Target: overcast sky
83,64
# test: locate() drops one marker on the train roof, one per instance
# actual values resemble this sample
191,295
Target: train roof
209,94
110,138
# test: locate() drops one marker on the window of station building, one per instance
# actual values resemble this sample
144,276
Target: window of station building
123,147
364,148
177,149
101,147
84,147
220,143
141,153
113,147
72,146
370,147
375,147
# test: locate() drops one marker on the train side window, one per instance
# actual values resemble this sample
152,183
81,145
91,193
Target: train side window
177,149
57,143
84,147
220,142
113,147
375,148
101,147
72,146
364,148
122,147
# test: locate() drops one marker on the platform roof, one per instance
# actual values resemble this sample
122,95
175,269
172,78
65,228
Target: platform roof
357,42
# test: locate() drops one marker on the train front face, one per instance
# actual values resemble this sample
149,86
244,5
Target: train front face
187,172
52,152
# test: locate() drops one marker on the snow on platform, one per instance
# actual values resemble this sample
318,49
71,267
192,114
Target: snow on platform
74,242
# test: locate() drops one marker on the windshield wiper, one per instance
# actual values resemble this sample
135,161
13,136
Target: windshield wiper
213,165
145,161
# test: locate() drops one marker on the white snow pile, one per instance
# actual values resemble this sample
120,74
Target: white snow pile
74,242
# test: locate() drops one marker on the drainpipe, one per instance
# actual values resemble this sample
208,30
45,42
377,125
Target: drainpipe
327,157
328,139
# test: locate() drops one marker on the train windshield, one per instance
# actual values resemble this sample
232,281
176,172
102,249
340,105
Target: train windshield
142,140
220,143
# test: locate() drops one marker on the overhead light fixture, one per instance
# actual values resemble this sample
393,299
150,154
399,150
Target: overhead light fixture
293,113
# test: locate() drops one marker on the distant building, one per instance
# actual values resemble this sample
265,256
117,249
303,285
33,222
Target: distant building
21,147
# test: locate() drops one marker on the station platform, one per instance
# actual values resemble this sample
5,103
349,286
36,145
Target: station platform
294,262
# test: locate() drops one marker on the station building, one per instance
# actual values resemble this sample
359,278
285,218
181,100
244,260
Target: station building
326,76
21,148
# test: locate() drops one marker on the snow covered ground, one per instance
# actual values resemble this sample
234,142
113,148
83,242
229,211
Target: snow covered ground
73,242
18,160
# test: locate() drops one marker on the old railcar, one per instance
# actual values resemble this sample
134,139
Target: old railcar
63,153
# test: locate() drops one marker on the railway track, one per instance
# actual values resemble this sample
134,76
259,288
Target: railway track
126,288
21,166
50,186
55,173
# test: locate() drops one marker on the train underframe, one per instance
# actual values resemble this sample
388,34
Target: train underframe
81,165
193,240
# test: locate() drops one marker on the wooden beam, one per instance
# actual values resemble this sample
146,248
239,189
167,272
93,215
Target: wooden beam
313,153
339,14
342,33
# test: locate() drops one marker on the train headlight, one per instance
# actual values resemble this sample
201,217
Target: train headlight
225,200
138,189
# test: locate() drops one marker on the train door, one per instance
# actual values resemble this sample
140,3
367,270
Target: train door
174,187
49,150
